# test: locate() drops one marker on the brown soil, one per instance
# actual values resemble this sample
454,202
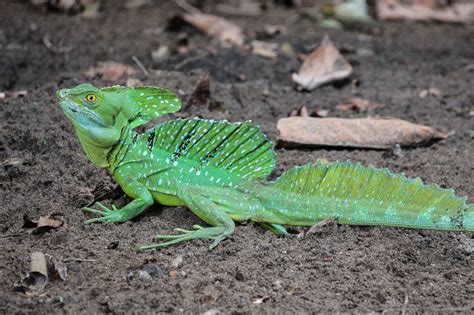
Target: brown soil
341,269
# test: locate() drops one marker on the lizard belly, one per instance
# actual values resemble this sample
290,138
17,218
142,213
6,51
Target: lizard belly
166,199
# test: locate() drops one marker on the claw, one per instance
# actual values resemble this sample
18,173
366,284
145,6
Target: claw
106,214
91,210
101,219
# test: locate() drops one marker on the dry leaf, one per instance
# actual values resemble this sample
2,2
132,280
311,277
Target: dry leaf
358,104
426,10
44,223
215,26
110,70
356,133
60,268
324,65
264,49
37,278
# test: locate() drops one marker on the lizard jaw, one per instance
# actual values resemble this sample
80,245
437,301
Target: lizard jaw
82,116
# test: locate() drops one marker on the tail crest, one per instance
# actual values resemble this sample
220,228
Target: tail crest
360,195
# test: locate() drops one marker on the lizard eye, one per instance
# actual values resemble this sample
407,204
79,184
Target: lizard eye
91,98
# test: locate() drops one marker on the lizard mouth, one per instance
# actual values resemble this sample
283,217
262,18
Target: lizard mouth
79,114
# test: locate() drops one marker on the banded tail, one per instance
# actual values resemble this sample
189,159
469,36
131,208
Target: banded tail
357,195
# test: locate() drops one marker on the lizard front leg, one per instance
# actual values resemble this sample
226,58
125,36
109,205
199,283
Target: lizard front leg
213,213
136,190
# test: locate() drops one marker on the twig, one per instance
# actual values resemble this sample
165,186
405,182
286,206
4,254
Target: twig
187,60
187,7
140,65
79,259
12,235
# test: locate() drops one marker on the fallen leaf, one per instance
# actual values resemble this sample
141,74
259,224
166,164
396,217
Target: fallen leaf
369,133
60,268
37,279
44,223
358,104
426,10
110,70
324,65
264,49
215,26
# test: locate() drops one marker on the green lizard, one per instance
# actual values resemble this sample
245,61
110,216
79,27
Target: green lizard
218,169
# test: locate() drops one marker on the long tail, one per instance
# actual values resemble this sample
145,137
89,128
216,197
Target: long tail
358,195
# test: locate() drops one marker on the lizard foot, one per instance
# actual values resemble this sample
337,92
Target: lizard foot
110,215
217,234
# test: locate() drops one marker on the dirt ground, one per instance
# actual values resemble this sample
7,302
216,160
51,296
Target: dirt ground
341,269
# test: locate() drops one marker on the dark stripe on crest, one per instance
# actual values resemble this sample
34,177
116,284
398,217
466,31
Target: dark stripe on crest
151,140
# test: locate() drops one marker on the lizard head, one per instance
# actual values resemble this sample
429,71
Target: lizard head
99,115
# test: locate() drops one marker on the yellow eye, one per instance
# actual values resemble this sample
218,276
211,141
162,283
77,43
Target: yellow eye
91,98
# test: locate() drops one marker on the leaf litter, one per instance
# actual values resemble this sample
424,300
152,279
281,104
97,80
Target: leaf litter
44,223
454,11
214,26
324,65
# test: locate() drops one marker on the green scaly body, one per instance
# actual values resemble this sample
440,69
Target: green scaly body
218,170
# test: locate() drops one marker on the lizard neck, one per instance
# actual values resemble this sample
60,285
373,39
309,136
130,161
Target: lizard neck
96,154
118,152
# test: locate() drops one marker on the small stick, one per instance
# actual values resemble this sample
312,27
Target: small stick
188,60
140,65
12,235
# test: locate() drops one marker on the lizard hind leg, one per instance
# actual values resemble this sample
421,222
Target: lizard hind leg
222,224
